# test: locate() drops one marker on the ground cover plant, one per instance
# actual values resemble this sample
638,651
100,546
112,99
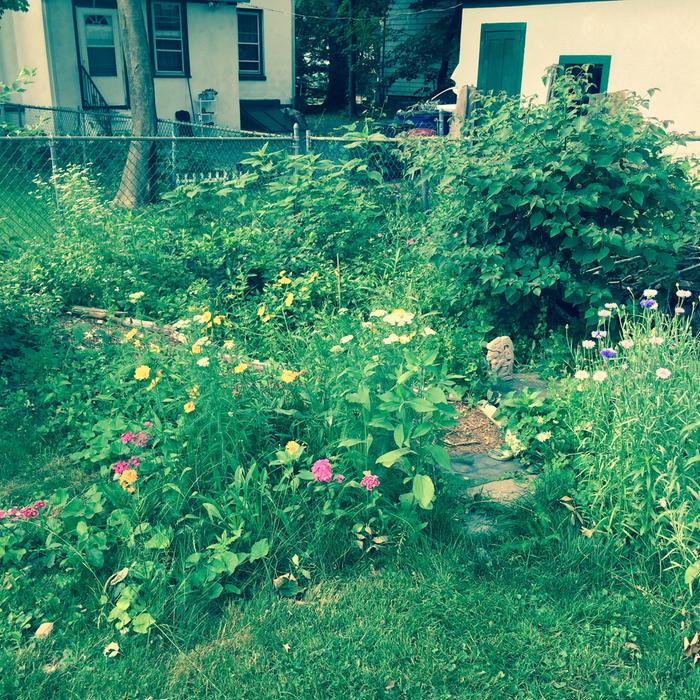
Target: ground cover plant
263,459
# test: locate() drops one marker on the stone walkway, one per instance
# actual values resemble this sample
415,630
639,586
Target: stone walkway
483,476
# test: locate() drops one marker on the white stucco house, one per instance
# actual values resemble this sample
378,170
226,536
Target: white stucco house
630,44
242,50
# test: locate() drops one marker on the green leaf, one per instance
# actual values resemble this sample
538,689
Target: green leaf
160,540
423,490
440,455
399,435
691,573
350,442
388,459
259,550
142,623
420,405
361,396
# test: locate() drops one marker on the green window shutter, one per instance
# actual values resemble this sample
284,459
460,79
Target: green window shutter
501,55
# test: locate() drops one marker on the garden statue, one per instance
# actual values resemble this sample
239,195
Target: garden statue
500,356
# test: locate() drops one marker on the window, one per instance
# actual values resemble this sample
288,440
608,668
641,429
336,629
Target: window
250,44
168,38
99,46
597,70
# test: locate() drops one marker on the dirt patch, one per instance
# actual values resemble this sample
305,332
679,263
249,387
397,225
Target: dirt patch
474,432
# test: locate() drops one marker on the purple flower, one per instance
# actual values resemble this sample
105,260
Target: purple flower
648,303
608,353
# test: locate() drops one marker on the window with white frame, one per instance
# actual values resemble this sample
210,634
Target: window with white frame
168,37
250,44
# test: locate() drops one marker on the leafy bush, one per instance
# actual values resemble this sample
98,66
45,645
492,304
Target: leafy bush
555,205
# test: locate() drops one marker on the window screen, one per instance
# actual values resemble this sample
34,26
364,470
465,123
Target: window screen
168,45
250,44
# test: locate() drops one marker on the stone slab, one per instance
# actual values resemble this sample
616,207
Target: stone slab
504,491
482,468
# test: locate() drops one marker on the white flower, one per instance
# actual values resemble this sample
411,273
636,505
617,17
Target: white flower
377,313
684,293
599,334
604,313
337,348
427,331
367,324
650,293
543,436
203,362
611,306
663,373
581,374
626,343
588,344
399,317
600,376
679,310
656,340
512,442
391,338
346,339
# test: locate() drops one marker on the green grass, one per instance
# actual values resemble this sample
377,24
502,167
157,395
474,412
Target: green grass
468,620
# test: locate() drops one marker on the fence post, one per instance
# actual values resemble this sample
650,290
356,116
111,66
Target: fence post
296,139
173,154
83,134
308,141
54,169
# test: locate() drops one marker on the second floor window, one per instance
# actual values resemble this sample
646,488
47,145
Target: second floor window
168,38
250,44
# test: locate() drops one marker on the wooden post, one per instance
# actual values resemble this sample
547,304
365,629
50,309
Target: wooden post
460,113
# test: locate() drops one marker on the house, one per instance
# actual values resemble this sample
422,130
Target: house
408,25
223,62
631,45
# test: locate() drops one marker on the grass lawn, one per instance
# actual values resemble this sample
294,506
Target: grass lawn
458,617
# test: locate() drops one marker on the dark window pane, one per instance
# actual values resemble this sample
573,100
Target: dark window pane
169,61
102,61
166,16
249,67
247,52
168,45
247,22
594,73
248,37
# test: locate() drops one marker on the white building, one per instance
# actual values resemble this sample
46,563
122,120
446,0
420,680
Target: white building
632,45
242,49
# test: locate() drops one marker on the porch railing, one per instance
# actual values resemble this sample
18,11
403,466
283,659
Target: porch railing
92,97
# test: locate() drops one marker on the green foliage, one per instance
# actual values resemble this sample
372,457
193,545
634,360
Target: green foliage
552,205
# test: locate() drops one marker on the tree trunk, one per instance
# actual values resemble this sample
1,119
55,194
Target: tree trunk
454,32
338,73
137,177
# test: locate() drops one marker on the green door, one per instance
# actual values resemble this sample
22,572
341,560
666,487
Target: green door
501,57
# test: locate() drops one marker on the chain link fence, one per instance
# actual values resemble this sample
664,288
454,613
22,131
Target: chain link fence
35,168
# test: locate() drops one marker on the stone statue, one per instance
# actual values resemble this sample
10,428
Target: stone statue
499,354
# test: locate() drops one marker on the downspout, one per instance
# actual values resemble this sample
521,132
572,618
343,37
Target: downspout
50,56
295,101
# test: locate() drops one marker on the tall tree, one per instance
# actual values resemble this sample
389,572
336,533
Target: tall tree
17,5
135,186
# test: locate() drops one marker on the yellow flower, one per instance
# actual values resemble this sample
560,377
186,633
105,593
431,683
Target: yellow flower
266,318
346,339
196,349
127,478
240,368
137,343
313,277
403,339
205,317
189,407
288,299
135,296
337,348
377,313
218,319
391,338
285,280
228,344
155,380
292,447
193,393
203,362
288,376
142,372
153,347
130,334
261,309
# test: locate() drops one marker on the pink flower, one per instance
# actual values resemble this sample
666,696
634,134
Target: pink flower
120,467
141,439
322,470
134,462
339,478
148,424
127,437
39,504
369,481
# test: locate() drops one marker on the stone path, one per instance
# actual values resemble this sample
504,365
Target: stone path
485,478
